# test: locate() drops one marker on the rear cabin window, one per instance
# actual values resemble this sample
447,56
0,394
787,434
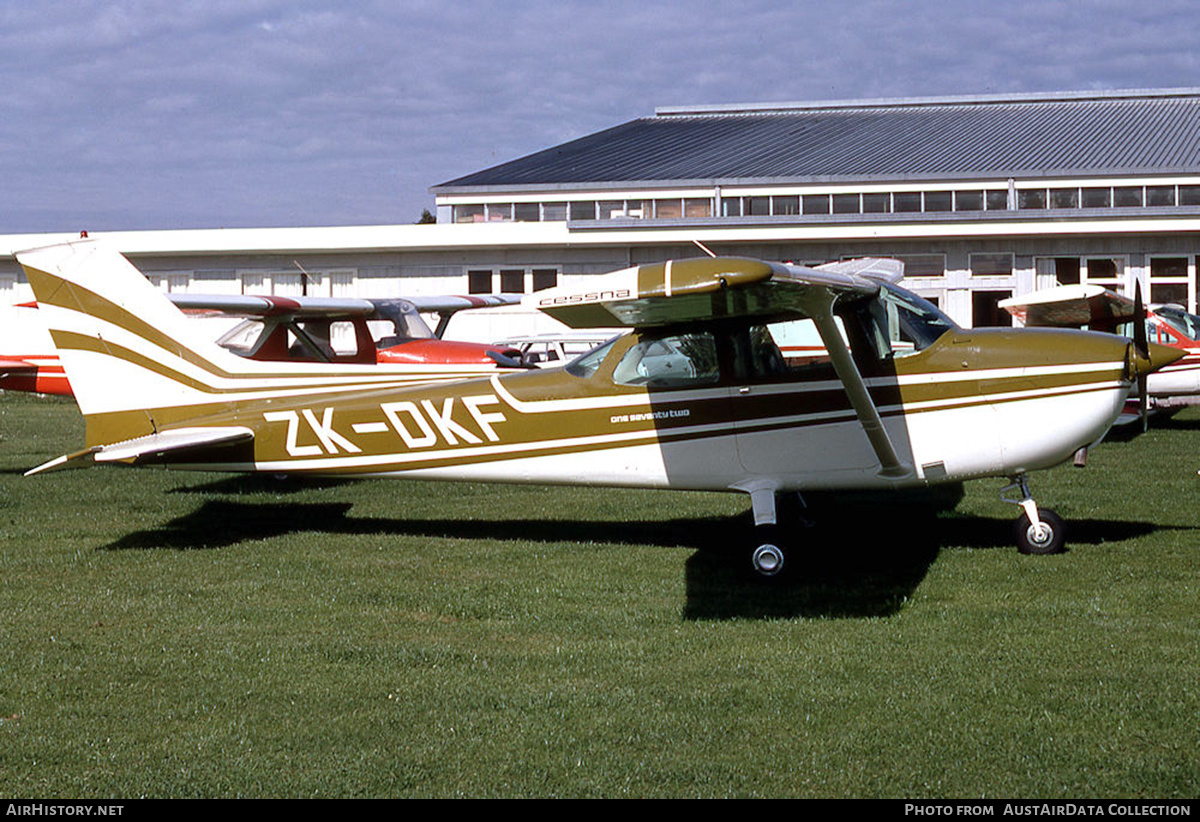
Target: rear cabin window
674,361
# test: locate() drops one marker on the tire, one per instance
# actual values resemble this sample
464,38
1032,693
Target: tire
1052,541
767,554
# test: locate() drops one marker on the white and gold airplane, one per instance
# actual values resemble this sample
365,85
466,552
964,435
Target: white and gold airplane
698,396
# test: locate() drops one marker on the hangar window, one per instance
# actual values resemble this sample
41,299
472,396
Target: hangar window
991,265
876,203
939,201
1127,196
1096,197
583,210
668,209
479,281
697,207
1064,198
1031,198
526,212
756,206
1160,195
1169,280
612,209
512,280
968,201
1104,271
468,214
637,209
1189,195
544,278
554,212
846,204
906,201
785,205
996,200
499,212
1063,270
731,206
923,265
816,203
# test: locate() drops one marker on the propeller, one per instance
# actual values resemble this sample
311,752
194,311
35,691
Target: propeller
1143,349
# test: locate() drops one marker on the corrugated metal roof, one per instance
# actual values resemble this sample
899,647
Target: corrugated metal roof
1069,134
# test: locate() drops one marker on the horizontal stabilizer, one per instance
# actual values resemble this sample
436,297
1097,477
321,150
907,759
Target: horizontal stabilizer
154,445
8,366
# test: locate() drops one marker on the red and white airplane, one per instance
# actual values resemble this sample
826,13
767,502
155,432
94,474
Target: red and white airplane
389,333
1099,309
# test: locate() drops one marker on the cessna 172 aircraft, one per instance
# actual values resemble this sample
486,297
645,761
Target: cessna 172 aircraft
697,397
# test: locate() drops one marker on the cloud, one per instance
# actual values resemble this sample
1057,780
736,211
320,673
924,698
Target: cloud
266,112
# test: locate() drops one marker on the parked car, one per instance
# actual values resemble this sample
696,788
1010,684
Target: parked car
552,350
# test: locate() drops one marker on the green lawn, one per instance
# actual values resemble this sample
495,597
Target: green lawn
172,634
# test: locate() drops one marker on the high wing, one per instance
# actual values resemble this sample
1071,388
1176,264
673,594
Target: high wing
707,289
244,305
1071,306
445,306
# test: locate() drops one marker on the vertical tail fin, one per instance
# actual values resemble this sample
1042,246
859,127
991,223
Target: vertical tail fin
128,352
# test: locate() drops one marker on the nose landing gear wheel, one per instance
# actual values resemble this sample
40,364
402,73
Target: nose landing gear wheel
1048,541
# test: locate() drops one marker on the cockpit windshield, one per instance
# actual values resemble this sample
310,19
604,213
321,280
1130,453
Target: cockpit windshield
1186,324
396,321
900,323
586,364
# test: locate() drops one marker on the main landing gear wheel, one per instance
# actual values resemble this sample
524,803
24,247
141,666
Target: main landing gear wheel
767,559
768,555
1046,540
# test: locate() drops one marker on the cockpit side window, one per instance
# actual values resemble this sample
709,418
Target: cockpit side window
671,361
781,351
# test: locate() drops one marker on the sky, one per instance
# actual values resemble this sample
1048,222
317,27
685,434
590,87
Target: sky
156,114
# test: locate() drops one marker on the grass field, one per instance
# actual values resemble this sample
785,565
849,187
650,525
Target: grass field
174,635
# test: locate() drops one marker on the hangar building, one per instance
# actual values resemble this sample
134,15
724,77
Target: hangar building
982,197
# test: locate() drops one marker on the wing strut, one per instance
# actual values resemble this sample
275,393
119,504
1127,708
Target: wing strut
892,467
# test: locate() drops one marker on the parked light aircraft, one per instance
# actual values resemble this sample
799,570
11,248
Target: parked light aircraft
697,396
29,361
1099,309
337,331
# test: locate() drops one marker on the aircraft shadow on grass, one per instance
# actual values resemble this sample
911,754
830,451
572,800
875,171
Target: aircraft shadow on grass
853,565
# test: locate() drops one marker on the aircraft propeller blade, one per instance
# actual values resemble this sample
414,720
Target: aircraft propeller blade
1143,349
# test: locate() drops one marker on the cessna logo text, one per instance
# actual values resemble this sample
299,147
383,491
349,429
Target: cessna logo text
589,297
